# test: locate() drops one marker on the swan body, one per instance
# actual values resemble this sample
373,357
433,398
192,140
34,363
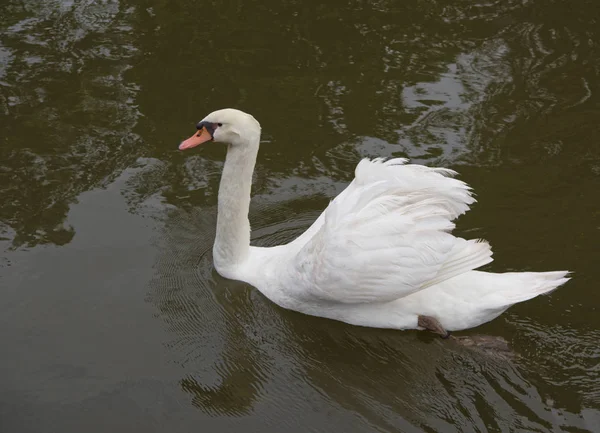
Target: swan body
380,255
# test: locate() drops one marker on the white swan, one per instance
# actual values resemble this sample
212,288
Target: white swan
381,255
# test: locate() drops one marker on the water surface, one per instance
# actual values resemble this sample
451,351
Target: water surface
112,317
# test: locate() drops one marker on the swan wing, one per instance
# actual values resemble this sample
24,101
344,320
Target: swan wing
388,235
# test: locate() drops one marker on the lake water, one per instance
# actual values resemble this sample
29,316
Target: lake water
112,317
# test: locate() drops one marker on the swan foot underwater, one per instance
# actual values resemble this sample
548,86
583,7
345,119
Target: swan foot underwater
433,325
381,255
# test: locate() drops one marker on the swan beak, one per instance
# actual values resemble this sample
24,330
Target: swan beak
202,136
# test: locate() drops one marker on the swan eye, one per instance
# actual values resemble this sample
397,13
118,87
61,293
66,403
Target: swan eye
219,124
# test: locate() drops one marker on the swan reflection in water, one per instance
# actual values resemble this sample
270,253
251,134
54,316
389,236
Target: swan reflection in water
237,349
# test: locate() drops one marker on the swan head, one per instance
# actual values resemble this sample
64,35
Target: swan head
228,125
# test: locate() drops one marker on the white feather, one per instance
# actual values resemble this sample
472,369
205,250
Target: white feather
387,236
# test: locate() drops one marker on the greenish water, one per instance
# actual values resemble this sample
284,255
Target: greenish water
112,317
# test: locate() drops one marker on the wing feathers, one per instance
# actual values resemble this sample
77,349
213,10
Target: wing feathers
388,235
469,255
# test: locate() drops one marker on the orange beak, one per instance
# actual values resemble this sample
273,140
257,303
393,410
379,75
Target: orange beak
202,136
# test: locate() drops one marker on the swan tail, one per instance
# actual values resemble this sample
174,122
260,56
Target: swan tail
474,298
527,285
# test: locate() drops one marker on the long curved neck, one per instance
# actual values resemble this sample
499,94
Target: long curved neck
232,243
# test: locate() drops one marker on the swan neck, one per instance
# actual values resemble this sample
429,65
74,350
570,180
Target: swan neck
232,242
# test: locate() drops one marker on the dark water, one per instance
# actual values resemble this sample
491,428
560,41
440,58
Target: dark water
112,317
